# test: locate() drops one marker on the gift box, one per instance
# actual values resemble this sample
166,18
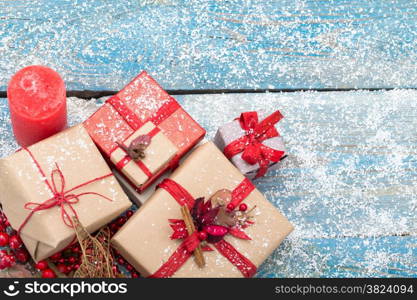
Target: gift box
49,183
205,220
252,143
143,131
140,198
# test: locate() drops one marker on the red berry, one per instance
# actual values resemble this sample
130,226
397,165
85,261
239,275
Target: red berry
63,268
120,221
56,256
12,260
72,260
230,206
135,275
76,267
129,213
216,230
22,256
4,239
42,265
243,207
7,261
129,268
48,273
2,264
202,235
114,228
15,242
76,249
121,261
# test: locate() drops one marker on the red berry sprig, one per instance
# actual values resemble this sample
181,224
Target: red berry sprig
46,272
69,259
4,239
13,248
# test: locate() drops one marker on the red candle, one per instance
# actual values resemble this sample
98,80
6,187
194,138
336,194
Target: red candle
37,102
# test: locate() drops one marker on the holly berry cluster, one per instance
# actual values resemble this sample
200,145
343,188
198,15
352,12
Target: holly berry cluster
69,259
12,249
66,261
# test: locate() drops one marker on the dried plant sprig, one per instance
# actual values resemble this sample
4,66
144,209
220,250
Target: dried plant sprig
97,260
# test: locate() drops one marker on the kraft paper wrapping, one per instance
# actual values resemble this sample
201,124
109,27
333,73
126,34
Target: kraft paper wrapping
157,155
80,161
140,199
231,132
145,239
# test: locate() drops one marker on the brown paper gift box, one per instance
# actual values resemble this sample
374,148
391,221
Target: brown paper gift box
143,103
80,161
145,239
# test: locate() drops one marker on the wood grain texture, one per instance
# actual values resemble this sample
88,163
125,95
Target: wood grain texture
352,165
348,185
214,44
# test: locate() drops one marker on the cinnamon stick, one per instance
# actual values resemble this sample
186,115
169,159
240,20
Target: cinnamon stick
198,252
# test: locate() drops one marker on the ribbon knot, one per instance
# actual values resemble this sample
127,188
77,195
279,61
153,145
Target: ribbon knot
192,241
61,198
250,144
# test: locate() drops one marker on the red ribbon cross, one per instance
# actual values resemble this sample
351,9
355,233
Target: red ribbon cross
186,248
61,197
250,145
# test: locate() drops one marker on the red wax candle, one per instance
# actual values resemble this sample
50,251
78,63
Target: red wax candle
37,102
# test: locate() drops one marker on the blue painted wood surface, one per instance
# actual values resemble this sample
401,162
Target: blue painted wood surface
348,185
212,44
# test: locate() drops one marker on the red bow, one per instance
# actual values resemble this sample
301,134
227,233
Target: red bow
251,143
190,242
61,197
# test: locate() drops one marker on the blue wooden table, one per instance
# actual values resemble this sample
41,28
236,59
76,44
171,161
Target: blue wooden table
349,184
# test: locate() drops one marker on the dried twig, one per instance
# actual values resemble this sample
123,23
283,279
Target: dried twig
97,260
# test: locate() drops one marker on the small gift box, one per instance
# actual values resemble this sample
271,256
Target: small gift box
49,183
206,209
143,131
252,143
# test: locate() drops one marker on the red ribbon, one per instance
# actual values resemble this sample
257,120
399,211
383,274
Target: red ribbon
61,196
136,123
251,143
186,248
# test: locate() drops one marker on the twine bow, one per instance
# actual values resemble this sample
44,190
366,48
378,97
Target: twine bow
250,145
61,198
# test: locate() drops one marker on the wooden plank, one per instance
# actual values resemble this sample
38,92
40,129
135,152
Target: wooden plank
390,256
351,169
199,44
348,185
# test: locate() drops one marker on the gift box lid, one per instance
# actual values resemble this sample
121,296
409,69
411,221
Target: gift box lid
203,173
